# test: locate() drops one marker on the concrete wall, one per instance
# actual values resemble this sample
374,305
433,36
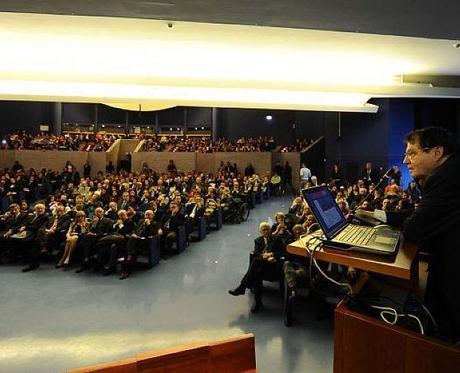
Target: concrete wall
202,162
98,161
158,161
54,160
7,158
262,162
127,146
113,153
205,163
208,163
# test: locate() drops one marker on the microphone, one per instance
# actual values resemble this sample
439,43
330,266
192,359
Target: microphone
391,171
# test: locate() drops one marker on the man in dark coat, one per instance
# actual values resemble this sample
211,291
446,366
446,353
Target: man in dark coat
266,263
433,159
146,228
170,224
99,227
54,231
10,223
109,246
25,237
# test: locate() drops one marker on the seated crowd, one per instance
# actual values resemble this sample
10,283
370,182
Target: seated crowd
103,220
100,142
270,259
207,145
44,141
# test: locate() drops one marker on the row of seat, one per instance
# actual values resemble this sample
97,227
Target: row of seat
199,233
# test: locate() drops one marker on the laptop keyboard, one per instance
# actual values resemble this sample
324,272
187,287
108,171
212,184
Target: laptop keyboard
356,235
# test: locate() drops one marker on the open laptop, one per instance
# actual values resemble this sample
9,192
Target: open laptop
340,234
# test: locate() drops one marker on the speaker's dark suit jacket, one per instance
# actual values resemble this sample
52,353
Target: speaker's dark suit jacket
435,226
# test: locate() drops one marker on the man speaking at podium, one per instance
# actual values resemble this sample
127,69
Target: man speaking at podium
432,157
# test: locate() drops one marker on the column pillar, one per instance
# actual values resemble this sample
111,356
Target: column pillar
57,118
214,124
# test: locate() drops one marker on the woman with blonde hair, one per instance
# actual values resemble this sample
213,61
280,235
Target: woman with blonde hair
76,229
280,228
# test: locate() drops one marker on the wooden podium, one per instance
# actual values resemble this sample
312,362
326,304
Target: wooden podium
364,344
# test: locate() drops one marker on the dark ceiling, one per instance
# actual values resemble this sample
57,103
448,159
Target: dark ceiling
421,18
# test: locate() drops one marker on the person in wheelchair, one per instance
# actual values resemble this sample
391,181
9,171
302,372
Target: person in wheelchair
266,263
239,192
235,209
227,204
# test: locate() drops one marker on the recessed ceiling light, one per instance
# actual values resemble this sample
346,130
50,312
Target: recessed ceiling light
268,117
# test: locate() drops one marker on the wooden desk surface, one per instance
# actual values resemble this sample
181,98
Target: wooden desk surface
403,265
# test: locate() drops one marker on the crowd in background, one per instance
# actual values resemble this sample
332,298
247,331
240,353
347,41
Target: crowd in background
101,142
45,141
207,145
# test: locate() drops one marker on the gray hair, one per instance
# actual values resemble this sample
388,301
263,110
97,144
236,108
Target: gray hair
263,225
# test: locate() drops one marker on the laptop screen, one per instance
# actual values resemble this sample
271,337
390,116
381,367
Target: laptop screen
325,209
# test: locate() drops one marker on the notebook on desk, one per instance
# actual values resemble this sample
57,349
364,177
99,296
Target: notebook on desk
340,234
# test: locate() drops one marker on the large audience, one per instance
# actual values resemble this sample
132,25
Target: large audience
96,221
100,142
271,259
107,220
207,145
44,141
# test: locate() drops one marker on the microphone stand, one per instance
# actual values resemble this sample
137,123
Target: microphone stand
369,221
